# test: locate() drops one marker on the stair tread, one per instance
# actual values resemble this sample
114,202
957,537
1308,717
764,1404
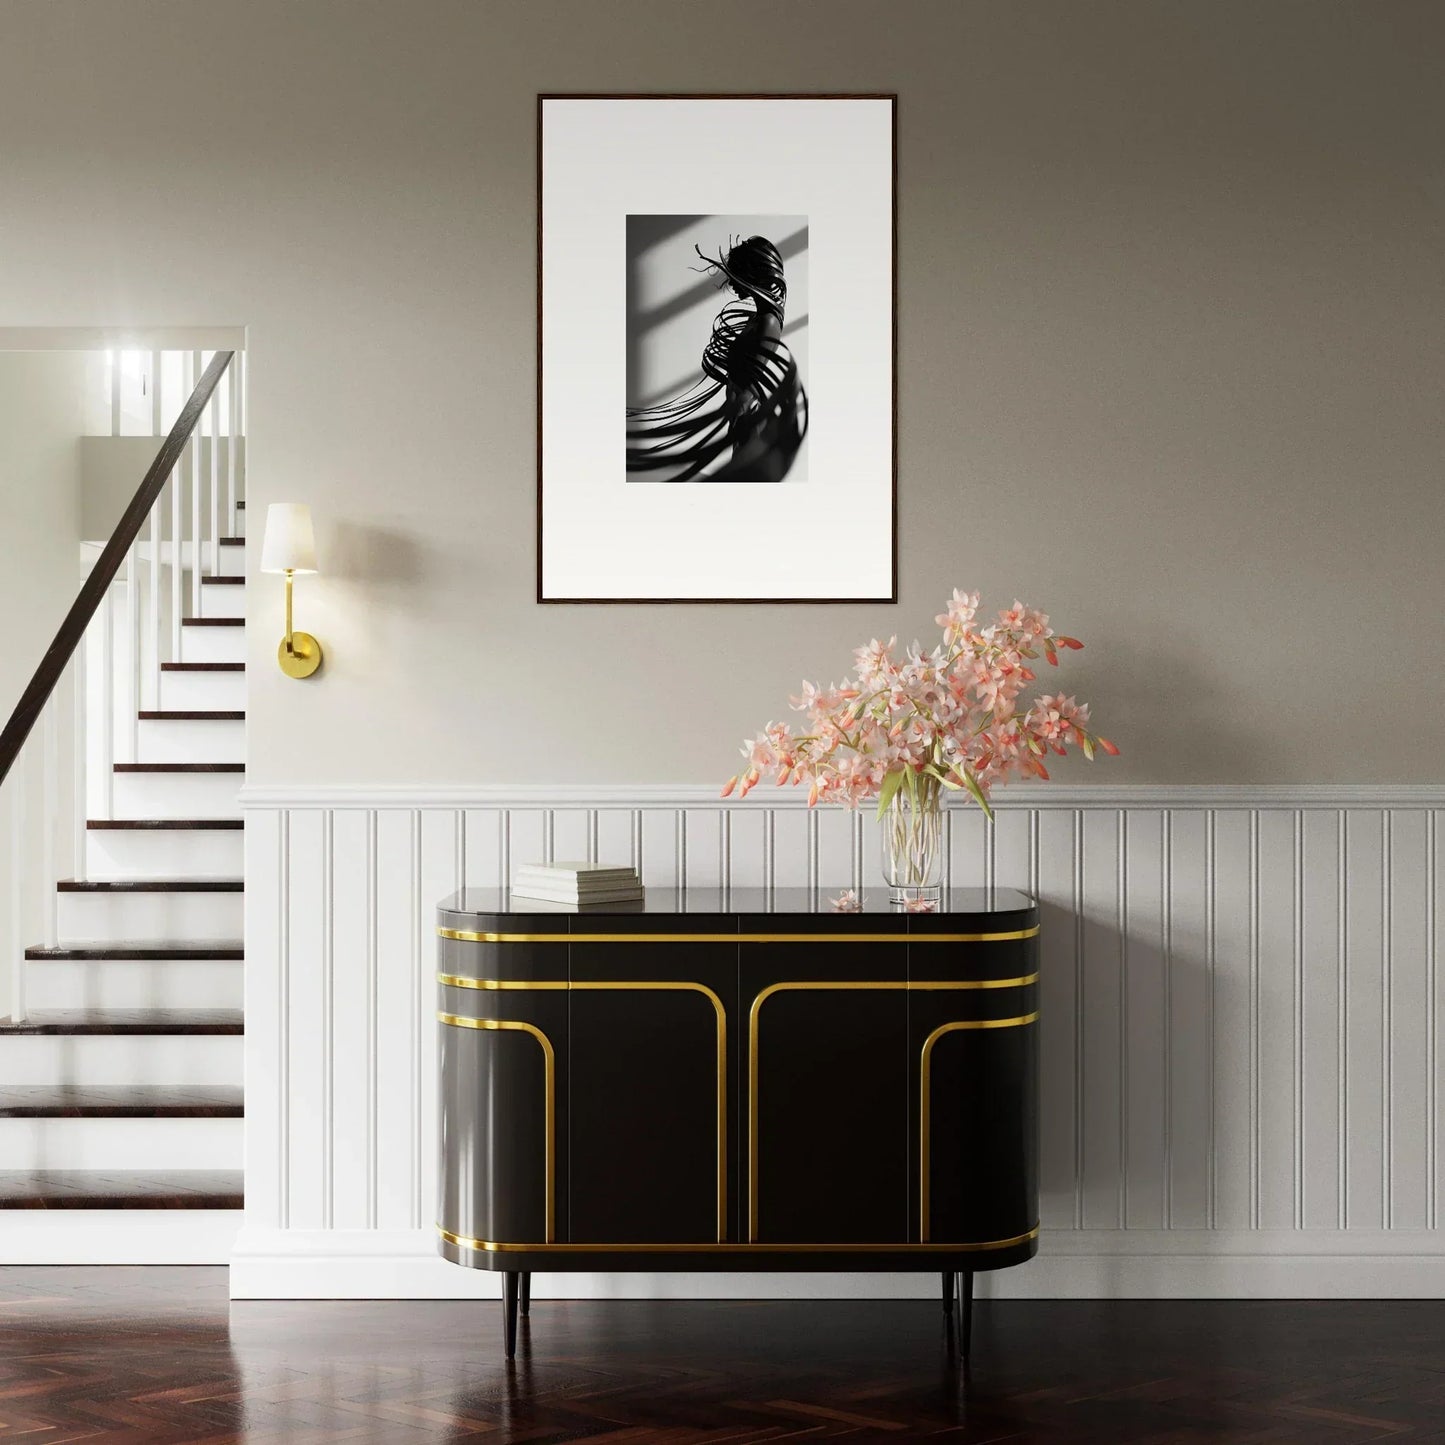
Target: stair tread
219,581
180,767
170,714
232,541
151,885
213,621
203,667
163,950
129,1021
122,1189
121,1101
213,824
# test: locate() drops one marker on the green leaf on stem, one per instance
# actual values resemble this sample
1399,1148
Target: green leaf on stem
891,784
971,783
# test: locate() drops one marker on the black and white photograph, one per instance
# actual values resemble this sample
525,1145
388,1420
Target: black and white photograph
717,348
693,443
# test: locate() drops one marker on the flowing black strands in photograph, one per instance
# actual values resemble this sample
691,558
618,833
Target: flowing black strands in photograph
745,418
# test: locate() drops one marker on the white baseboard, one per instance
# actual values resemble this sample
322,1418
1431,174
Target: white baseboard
118,1236
1096,1264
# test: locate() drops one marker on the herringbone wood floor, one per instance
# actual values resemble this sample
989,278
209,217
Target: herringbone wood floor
157,1355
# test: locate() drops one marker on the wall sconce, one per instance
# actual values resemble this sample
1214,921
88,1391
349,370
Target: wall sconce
290,547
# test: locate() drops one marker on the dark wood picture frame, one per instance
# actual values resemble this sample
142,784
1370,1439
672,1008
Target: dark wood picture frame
892,98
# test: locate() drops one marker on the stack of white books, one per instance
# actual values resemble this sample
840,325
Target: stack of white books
577,883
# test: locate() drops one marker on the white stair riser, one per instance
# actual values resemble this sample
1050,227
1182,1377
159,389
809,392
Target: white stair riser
121,1059
35,1144
187,740
189,691
213,644
176,795
164,917
221,602
134,983
164,853
233,561
119,1236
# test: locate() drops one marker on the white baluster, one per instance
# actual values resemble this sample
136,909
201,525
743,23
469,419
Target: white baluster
178,481
233,429
194,457
78,746
133,633
177,544
153,662
243,429
50,805
17,889
215,541
107,693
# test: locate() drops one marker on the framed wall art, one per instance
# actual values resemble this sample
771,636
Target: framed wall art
716,382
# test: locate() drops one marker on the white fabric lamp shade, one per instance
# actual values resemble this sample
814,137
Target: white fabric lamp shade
290,544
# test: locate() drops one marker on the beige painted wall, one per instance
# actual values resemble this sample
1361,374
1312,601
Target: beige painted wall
41,399
1170,353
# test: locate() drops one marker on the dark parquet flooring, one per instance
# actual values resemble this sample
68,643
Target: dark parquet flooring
158,1355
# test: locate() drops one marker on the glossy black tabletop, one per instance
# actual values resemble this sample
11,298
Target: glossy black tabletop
958,908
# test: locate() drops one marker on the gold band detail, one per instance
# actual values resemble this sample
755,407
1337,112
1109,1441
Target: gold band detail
925,1096
722,1076
913,985
488,1246
528,985
452,980
908,984
461,935
549,1070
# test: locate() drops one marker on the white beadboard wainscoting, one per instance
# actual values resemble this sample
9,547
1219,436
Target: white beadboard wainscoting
1241,1024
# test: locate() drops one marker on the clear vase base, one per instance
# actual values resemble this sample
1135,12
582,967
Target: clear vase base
920,899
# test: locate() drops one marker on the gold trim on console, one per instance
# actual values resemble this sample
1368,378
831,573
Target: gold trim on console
925,1097
842,985
460,980
549,1070
462,935
677,985
489,1246
454,980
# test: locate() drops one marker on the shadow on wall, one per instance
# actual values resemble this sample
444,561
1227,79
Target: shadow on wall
1135,1111
644,233
372,575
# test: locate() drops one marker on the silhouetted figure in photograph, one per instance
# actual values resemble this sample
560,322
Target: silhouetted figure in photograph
745,418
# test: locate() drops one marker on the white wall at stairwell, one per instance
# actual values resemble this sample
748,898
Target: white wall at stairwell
1241,1024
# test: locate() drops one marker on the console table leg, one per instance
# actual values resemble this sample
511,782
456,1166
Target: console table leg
966,1308
509,1312
526,1300
948,1292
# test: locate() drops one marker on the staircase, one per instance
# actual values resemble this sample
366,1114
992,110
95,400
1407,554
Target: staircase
121,1059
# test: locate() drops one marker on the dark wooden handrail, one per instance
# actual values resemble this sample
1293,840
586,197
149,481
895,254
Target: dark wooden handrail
67,639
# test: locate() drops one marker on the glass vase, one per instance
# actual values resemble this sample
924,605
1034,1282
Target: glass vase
912,850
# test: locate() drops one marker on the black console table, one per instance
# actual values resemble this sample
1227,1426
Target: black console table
742,1082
